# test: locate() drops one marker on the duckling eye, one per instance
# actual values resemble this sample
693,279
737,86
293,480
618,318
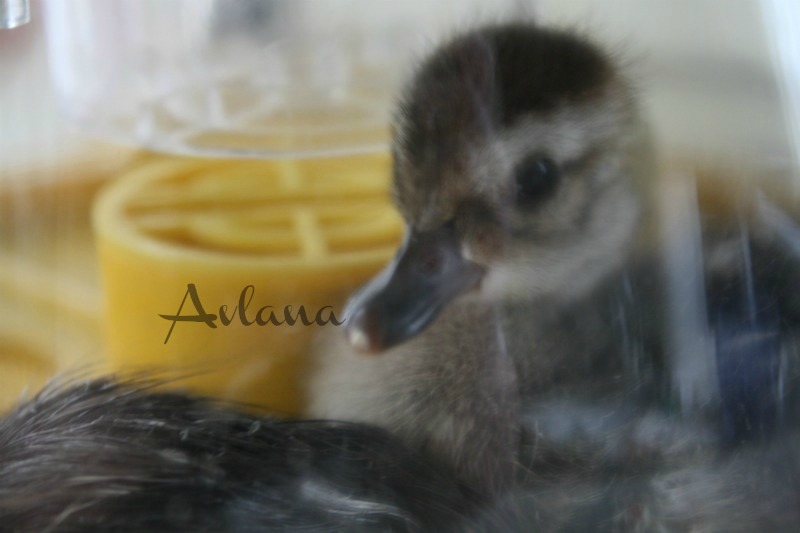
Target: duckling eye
536,177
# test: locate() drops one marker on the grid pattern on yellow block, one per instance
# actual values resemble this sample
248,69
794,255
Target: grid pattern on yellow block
298,232
309,211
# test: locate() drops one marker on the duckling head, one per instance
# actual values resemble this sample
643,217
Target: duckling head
517,154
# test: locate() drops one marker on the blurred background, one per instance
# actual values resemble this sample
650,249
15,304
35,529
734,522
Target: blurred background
91,89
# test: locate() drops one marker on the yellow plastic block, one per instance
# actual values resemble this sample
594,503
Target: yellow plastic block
175,232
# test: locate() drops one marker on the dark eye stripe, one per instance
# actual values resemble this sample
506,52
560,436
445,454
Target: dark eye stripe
585,160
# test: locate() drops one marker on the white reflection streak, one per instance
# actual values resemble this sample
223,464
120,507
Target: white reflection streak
779,224
689,341
782,21
338,502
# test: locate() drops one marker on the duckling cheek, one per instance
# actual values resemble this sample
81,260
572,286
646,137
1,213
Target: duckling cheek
482,235
483,246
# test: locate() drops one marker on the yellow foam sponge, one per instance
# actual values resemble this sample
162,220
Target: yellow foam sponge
205,265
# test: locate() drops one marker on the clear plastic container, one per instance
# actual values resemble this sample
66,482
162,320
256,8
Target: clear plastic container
241,78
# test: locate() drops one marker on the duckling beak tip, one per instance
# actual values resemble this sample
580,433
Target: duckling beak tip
360,341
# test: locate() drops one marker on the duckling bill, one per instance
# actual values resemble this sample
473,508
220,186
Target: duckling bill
427,274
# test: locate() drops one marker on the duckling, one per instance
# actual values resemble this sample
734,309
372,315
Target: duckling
520,164
522,314
116,454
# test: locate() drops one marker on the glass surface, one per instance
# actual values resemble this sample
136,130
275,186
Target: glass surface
567,299
246,78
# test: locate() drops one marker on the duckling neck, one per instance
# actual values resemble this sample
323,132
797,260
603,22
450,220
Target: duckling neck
555,343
